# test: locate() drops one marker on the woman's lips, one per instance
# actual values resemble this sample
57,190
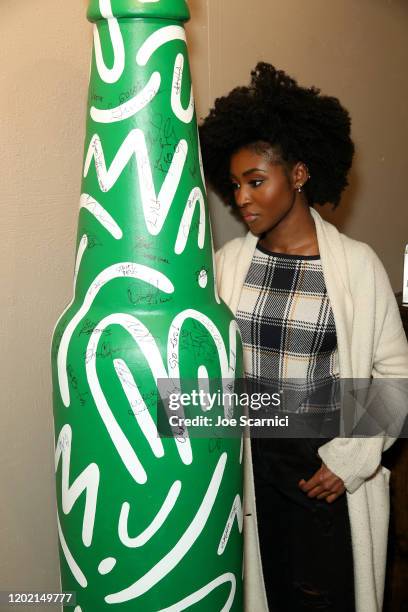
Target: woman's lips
249,217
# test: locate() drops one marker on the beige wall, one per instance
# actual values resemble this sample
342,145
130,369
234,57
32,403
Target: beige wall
355,50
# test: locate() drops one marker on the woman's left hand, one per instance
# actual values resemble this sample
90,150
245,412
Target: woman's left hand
323,485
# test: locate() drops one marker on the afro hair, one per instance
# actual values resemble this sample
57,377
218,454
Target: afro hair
298,123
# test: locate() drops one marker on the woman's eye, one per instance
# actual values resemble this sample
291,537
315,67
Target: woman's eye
234,186
255,182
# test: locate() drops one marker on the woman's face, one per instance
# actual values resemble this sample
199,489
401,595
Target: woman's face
263,191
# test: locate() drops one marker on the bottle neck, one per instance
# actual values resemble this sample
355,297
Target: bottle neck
155,9
143,202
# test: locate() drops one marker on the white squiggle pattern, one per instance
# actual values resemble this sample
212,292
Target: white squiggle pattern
203,385
195,196
106,565
72,564
142,414
155,207
147,345
227,363
77,609
154,526
190,600
216,295
87,481
200,161
109,75
102,215
81,250
174,556
203,279
120,270
185,115
130,107
233,332
158,39
236,511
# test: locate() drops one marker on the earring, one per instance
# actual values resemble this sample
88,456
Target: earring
299,188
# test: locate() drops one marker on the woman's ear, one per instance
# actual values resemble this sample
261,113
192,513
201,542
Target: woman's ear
300,175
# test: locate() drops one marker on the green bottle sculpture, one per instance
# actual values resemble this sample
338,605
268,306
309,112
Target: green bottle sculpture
145,522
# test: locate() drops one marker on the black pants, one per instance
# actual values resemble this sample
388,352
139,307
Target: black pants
305,543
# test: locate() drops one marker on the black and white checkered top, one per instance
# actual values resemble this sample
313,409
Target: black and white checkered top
286,321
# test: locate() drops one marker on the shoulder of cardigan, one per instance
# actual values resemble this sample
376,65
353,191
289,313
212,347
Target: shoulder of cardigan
347,257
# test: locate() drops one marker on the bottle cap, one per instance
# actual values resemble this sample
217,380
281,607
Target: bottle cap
144,9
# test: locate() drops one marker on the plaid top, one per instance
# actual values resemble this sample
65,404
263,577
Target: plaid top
287,326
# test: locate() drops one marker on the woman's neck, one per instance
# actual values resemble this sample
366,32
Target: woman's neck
293,235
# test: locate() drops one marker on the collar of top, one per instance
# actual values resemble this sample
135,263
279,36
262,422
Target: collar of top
146,9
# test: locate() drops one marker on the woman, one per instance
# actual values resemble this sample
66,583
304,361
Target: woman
314,305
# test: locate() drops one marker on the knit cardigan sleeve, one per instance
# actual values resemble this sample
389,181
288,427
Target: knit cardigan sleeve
355,460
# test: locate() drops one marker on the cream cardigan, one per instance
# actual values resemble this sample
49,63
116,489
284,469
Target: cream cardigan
371,342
